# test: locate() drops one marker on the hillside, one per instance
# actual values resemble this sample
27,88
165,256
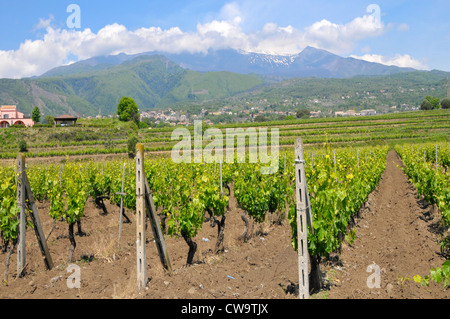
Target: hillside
377,92
153,81
316,79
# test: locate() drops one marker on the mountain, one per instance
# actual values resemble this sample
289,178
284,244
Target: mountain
156,80
311,62
93,64
97,84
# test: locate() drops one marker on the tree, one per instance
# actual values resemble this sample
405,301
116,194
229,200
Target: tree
445,103
434,102
128,110
302,113
36,115
289,117
49,119
260,118
426,105
143,125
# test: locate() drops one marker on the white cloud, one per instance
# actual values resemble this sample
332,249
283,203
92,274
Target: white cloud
59,46
273,39
44,23
34,57
229,11
340,38
404,61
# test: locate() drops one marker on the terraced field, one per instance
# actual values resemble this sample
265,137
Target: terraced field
109,137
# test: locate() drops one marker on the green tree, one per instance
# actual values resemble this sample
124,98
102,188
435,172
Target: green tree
302,113
434,102
131,143
36,115
445,103
260,118
23,147
49,119
426,105
289,117
143,125
128,110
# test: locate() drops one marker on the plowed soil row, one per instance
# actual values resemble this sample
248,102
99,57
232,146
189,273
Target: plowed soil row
396,232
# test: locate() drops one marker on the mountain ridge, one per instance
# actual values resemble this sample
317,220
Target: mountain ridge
152,80
308,63
161,80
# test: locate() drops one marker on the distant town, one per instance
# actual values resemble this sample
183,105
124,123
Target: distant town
170,117
254,114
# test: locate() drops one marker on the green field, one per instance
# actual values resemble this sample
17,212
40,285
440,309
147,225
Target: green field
97,137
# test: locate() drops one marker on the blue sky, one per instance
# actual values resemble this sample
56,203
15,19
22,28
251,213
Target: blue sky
35,36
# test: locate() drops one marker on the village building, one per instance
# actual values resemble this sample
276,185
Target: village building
350,113
368,112
66,120
10,116
314,114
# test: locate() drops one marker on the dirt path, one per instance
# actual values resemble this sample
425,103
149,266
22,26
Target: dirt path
393,234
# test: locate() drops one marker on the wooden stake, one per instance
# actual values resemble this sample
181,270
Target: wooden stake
220,163
34,215
140,219
302,236
156,228
121,205
22,214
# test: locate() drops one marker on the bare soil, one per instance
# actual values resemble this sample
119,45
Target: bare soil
390,233
396,232
255,269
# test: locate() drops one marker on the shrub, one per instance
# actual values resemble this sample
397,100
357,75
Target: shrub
445,103
23,146
132,141
143,125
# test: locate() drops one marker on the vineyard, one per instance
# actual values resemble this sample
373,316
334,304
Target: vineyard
108,138
230,230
